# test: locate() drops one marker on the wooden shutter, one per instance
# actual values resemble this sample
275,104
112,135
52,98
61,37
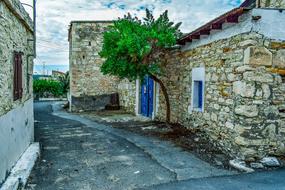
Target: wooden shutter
18,89
20,75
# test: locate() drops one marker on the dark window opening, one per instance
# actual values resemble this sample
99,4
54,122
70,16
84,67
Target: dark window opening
18,85
198,95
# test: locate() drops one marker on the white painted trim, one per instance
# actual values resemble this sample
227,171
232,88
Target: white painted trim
271,24
23,168
137,108
155,99
198,74
156,105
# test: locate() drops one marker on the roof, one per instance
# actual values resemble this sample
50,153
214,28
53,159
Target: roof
229,17
249,3
57,72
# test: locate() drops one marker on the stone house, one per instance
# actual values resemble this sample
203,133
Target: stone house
89,88
226,79
16,66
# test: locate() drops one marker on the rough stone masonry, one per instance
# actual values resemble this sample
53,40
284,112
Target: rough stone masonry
89,88
16,117
244,111
244,93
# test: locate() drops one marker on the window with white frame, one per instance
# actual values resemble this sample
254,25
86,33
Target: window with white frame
198,86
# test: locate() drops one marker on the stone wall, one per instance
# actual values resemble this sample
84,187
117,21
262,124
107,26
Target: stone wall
87,83
14,36
244,94
280,4
127,95
16,117
244,111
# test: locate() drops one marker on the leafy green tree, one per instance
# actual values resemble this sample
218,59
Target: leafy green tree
134,48
64,79
45,88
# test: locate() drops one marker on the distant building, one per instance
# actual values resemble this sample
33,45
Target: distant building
16,93
41,77
57,74
227,79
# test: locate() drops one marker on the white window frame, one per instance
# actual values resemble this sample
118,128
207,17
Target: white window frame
198,74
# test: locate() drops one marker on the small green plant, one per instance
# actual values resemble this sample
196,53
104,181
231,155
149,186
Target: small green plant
48,88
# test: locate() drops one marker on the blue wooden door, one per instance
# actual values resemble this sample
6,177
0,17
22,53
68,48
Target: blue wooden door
147,93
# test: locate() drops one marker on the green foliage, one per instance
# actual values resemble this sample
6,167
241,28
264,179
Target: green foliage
47,88
132,47
64,79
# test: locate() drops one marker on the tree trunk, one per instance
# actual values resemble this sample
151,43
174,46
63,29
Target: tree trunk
165,94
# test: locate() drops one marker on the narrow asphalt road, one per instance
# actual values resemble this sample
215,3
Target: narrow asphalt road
76,157
78,154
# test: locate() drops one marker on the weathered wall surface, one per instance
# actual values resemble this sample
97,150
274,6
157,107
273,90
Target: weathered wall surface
16,133
244,94
127,95
16,117
14,36
244,89
87,83
272,3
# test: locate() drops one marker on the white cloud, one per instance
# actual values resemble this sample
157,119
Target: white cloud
54,16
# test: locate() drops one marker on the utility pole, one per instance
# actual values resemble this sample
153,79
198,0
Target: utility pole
35,26
44,68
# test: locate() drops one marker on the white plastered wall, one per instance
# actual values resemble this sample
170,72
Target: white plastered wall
16,134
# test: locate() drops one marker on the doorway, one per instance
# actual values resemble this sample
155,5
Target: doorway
147,97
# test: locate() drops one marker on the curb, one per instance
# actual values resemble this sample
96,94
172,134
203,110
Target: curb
21,171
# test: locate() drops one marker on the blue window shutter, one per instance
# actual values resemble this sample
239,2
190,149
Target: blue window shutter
200,94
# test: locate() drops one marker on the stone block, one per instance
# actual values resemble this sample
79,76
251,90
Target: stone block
261,56
270,162
247,110
256,165
279,59
270,131
266,91
258,77
244,89
271,112
277,4
240,165
244,68
229,125
248,43
241,141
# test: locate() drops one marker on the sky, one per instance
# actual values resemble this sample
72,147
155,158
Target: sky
54,17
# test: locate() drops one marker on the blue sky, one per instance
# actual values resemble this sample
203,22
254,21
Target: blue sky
54,16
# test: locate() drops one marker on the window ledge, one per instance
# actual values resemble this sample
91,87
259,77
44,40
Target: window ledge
197,110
